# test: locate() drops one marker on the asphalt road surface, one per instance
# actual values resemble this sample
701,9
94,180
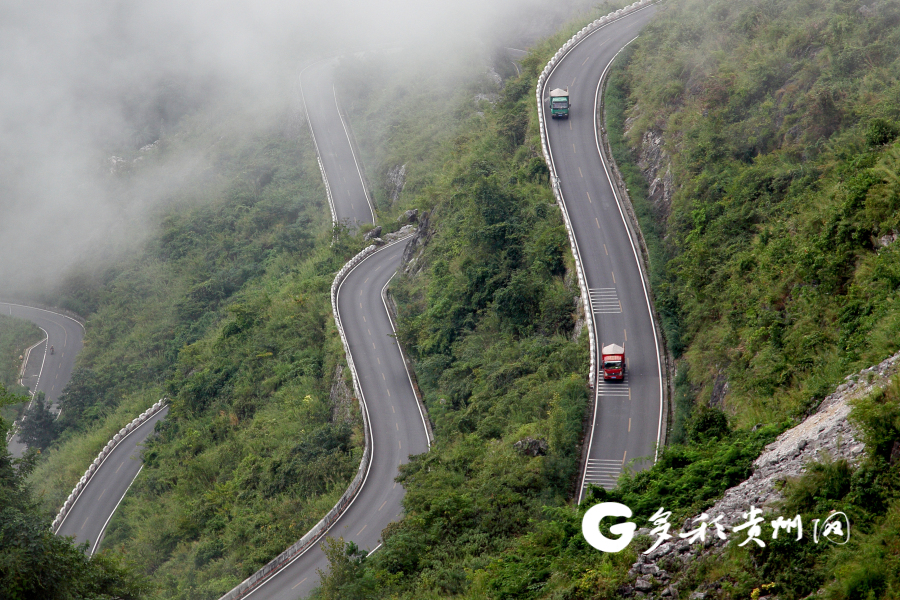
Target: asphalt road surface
397,424
627,418
331,134
51,372
86,521
398,428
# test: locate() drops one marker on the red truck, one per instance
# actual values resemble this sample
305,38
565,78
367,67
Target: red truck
613,362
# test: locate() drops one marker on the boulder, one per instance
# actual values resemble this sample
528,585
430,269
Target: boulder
532,447
373,234
410,216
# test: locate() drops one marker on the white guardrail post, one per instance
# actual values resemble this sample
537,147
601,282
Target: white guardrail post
554,179
322,527
110,446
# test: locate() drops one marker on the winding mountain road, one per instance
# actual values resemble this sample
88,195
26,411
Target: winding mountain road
397,423
627,420
626,426
49,373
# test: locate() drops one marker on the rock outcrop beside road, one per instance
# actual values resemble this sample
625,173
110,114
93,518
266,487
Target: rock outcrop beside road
824,435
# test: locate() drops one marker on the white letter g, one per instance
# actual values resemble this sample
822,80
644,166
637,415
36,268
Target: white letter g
590,527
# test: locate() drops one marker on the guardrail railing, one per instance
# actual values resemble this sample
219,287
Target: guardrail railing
554,178
107,450
322,527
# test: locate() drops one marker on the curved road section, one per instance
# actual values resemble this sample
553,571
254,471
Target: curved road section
627,416
50,372
396,420
86,521
398,427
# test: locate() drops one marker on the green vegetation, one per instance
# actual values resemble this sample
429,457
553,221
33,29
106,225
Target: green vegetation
226,310
780,122
39,428
15,336
34,563
770,271
772,267
869,495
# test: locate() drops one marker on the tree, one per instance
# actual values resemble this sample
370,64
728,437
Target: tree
346,578
35,563
38,427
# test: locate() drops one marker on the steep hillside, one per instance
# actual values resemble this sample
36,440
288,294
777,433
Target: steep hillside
767,131
225,309
758,140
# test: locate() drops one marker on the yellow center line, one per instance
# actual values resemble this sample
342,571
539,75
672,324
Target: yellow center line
367,280
360,304
389,391
301,581
395,485
369,330
589,197
573,81
382,376
629,393
598,222
629,424
580,173
101,494
120,466
614,276
363,529
373,345
623,457
392,409
399,445
625,330
85,522
585,61
378,359
382,505
605,250
573,149
398,426
364,319
570,125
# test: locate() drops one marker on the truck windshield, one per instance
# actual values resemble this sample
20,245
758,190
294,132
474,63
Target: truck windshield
559,104
612,364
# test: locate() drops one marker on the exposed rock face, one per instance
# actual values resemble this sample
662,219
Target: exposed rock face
826,433
373,234
579,319
656,167
410,216
413,252
341,398
396,179
532,447
719,391
887,239
403,232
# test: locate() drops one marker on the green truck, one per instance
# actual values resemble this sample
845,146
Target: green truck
559,103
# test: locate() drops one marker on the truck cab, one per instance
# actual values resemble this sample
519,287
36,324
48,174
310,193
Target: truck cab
559,103
613,362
